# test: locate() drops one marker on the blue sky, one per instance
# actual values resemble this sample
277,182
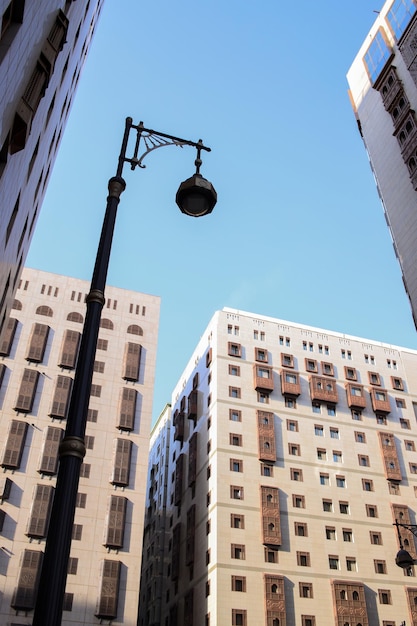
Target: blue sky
298,232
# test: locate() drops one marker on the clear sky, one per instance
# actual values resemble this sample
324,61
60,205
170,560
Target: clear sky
298,232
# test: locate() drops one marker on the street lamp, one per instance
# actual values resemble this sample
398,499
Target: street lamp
404,558
195,197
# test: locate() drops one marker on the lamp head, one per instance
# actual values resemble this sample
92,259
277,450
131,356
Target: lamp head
404,559
196,196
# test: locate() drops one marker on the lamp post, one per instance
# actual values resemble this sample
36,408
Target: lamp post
404,558
195,197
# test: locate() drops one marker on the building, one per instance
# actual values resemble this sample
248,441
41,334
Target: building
43,47
38,356
383,92
292,452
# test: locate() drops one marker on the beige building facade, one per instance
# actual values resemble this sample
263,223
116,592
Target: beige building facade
38,357
383,92
292,451
43,47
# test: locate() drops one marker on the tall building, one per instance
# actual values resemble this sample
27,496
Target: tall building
43,47
383,92
291,452
38,357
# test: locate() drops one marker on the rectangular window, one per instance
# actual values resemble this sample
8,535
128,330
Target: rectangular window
298,501
294,449
337,456
40,511
399,16
24,595
331,533
351,564
409,446
127,410
347,535
115,522
405,423
360,437
340,482
27,391
237,521
234,370
292,425
344,508
303,559
261,355
109,584
327,506
15,443
375,538
367,484
316,407
333,562
324,479
327,368
290,403
300,529
121,463
69,349
239,583
236,465
371,510
236,493
380,566
305,590
334,433
131,367
77,532
234,392
318,430
102,344
38,340
234,349
267,470
238,551
239,617
95,391
296,474
271,556
363,460
62,394
49,458
356,415
235,415
287,360
235,439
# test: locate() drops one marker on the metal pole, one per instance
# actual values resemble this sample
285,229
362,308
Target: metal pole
51,590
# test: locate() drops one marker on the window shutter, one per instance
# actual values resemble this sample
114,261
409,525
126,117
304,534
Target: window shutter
109,590
61,398
13,451
27,391
9,332
69,351
40,511
25,593
37,344
49,459
132,361
127,409
121,467
116,518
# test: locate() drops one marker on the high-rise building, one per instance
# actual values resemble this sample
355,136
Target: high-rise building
38,357
291,453
383,92
43,46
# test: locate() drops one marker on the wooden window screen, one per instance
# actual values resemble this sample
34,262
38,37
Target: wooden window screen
37,343
121,468
69,350
49,459
13,451
40,511
61,397
132,361
116,519
127,409
109,590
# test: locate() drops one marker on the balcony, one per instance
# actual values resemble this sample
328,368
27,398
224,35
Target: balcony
323,390
355,396
290,383
263,378
380,400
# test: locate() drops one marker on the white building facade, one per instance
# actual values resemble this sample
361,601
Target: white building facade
38,357
43,47
292,452
383,91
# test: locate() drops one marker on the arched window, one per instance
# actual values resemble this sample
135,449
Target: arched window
75,317
269,498
44,310
274,588
271,528
275,622
17,305
412,164
343,595
266,445
106,323
355,595
134,329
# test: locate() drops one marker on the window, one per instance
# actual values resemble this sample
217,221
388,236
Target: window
238,551
381,419
298,501
397,383
77,531
316,407
321,454
102,344
367,484
287,360
405,423
334,433
303,559
337,456
374,378
327,368
234,370
236,465
267,470
308,620
294,449
300,529
409,446
327,506
356,415
239,617
311,365
95,390
351,564
333,562
237,521
363,460
331,533
318,430
235,415
305,590
235,440
234,392
239,583
263,397
384,596
234,349
261,355
350,373
290,403
380,566
344,508
271,556
375,538
85,470
324,479
331,410
296,474
341,482
360,437
72,565
292,425
236,493
347,535
413,468
371,510
400,403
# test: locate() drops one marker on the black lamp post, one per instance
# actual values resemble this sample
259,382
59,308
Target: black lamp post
404,558
195,197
